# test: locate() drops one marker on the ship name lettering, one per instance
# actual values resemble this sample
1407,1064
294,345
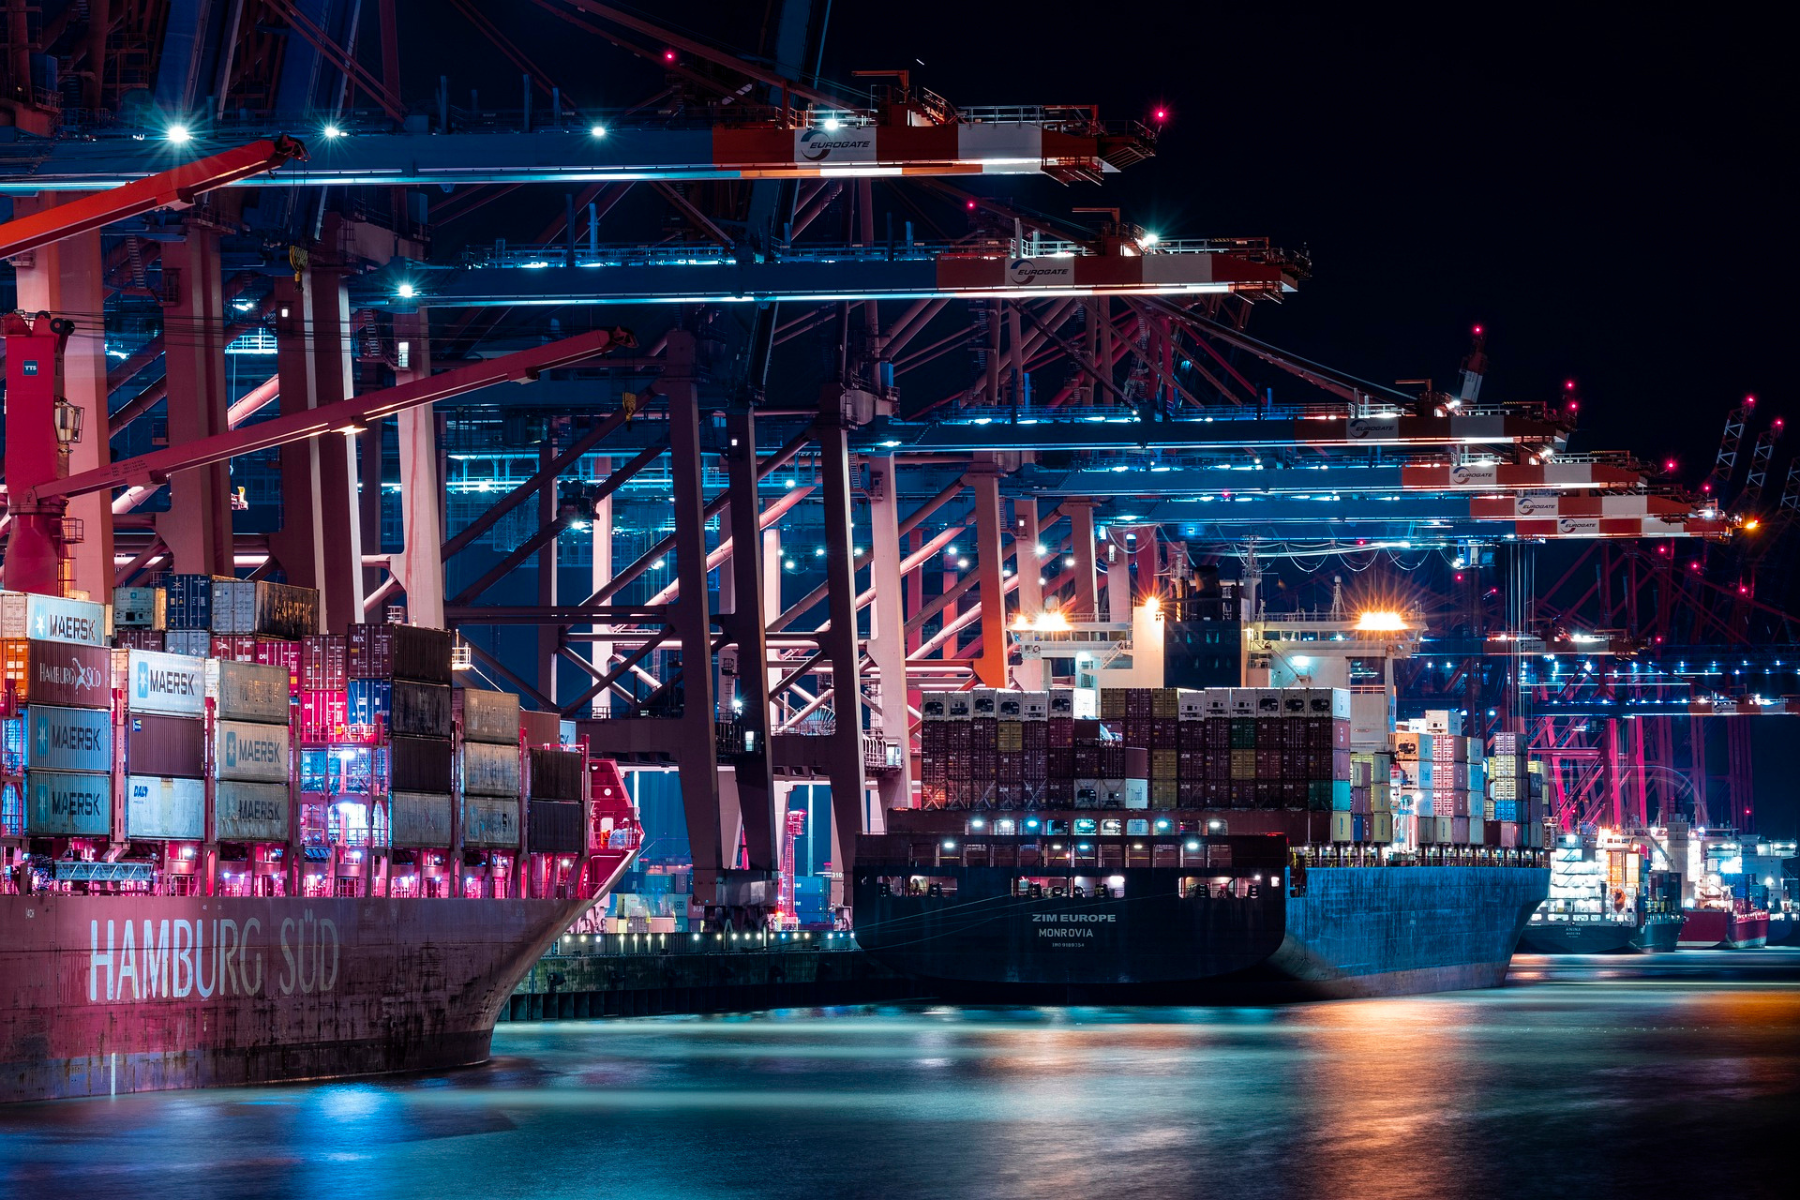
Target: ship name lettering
1074,918
306,965
1059,932
175,960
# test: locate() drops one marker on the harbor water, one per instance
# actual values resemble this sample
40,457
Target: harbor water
1583,1076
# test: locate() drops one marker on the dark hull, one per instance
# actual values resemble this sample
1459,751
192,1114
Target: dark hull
1784,930
253,990
1357,931
1659,934
1578,937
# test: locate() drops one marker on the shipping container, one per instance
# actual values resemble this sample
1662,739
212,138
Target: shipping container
556,774
139,608
1342,827
68,804
323,717
376,651
257,606
248,691
52,619
283,653
196,643
324,662
174,684
424,765
420,820
67,739
399,705
540,728
189,603
489,716
61,673
165,809
249,752
557,828
140,639
251,812
490,822
162,745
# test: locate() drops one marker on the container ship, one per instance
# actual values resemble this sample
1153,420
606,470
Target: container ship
1200,845
236,850
1605,899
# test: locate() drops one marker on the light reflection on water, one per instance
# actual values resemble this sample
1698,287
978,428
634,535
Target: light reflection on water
1585,1076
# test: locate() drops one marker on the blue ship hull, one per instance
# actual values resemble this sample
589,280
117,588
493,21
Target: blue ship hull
1335,932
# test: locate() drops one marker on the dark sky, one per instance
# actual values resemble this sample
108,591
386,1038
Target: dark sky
1600,191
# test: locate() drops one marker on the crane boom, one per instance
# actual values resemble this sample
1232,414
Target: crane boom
167,189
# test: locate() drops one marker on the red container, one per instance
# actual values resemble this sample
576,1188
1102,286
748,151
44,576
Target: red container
140,639
1061,731
238,647
1340,735
274,652
172,747
984,735
322,662
324,717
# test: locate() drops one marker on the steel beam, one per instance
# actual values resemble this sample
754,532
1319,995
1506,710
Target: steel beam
745,628
848,801
197,526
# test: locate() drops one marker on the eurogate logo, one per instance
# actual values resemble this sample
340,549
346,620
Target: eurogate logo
816,145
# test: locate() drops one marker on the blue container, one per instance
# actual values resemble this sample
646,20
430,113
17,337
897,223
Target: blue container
1340,795
190,602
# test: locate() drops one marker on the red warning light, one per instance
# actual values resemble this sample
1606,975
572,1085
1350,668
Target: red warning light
668,56
1669,465
1749,401
970,206
1160,115
1478,331
1569,385
1778,422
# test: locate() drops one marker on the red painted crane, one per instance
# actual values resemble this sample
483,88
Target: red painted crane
174,188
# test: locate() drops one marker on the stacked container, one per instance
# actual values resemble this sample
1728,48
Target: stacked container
58,682
252,708
491,770
1158,748
399,678
188,605
165,746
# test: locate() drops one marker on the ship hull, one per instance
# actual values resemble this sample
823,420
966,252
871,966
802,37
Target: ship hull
1659,935
1578,937
1353,931
1718,929
111,994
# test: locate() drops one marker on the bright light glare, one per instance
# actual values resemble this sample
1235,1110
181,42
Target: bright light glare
332,131
406,291
598,131
831,124
1150,239
179,134
1050,622
1381,622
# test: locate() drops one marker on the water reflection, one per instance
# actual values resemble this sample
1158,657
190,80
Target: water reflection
1585,1077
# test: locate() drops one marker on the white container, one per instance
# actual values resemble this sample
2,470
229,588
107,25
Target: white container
140,608
984,702
959,706
1009,705
933,706
173,684
170,810
1190,705
1216,702
1243,702
1089,793
52,619
1296,701
1037,706
1137,793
